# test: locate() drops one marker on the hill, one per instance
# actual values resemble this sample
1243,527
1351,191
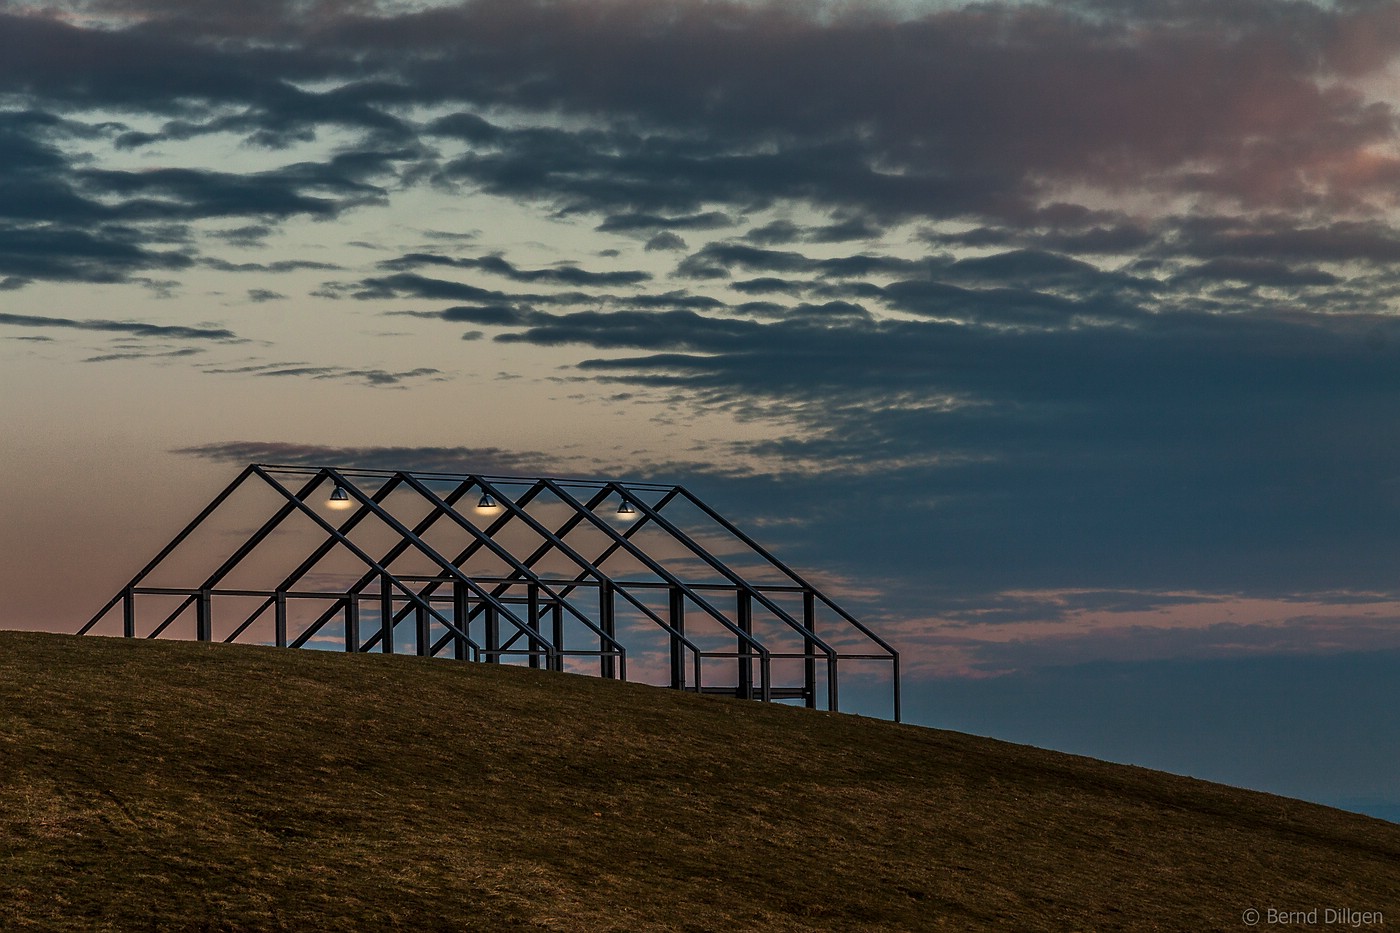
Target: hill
171,786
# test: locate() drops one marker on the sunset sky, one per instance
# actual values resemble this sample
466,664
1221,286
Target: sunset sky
1060,338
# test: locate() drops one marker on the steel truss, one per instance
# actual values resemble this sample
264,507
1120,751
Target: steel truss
521,615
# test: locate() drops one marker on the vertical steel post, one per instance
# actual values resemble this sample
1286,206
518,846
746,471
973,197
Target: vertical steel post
532,619
809,663
461,610
745,623
556,618
895,674
831,697
677,621
129,613
425,631
386,614
352,622
279,617
608,623
493,635
203,617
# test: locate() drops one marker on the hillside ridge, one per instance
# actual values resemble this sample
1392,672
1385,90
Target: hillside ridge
172,786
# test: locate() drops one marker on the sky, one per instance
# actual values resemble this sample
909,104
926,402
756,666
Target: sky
1059,339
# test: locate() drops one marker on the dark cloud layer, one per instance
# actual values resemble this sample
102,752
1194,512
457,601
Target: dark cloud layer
1161,436
988,113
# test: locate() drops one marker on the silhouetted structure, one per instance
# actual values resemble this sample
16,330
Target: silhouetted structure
555,573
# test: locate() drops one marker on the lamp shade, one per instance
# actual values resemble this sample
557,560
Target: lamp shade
487,503
340,499
626,510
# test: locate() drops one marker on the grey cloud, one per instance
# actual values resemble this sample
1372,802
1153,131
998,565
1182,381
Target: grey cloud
567,274
249,235
1259,272
420,286
368,377
106,254
145,355
317,191
775,233
507,306
278,266
492,460
854,228
651,223
680,329
498,315
135,328
1342,241
1034,267
769,285
495,315
665,241
780,232
718,260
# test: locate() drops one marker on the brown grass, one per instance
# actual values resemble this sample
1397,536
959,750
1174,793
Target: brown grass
169,786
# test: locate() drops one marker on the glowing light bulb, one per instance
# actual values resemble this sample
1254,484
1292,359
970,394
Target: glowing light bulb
487,503
340,499
626,511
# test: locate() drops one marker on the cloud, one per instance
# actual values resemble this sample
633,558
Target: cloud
1259,272
145,354
489,460
187,194
653,223
108,254
420,286
375,378
779,232
665,241
275,267
567,274
136,328
1341,241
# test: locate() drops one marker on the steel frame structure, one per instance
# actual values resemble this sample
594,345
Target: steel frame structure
515,625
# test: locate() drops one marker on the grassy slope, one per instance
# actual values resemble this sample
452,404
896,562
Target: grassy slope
174,786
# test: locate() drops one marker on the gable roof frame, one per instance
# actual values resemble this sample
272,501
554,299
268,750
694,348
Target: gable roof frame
402,594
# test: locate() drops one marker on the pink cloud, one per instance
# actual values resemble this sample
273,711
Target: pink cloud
1192,625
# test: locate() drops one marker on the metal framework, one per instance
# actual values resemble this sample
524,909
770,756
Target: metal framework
746,614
